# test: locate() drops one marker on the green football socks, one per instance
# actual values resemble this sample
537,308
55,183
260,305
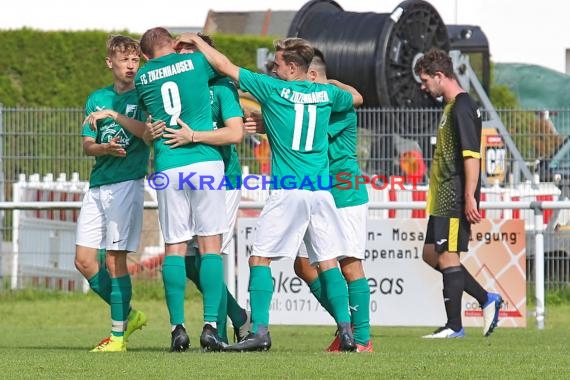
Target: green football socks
174,279
101,284
212,283
260,293
359,303
121,292
317,291
336,293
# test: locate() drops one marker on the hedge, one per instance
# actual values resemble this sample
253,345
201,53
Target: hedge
61,68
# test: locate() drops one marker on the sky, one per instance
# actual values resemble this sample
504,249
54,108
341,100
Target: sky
519,31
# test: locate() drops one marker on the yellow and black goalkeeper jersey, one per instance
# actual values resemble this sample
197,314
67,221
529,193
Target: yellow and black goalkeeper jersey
458,137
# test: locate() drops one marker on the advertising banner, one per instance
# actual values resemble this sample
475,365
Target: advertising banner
404,291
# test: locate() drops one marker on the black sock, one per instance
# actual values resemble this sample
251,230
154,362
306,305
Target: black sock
453,284
473,288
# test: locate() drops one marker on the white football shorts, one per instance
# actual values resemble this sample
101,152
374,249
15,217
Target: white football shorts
193,203
233,197
353,221
111,216
292,216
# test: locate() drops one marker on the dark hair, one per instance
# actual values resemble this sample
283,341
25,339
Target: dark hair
182,44
207,39
435,60
154,39
317,53
122,44
296,50
318,63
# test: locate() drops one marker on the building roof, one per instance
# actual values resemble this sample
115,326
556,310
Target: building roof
264,23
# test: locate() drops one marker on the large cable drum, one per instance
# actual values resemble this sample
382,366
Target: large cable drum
374,52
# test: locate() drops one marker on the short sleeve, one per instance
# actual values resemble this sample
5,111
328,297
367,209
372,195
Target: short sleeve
228,99
467,118
90,107
258,85
211,73
342,100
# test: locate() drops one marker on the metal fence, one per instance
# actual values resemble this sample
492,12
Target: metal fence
43,141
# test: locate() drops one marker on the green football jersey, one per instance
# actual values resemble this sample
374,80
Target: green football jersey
343,161
458,137
110,169
296,117
225,105
176,86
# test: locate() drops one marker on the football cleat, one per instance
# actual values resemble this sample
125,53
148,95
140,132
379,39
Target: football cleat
136,320
445,332
335,345
179,339
491,310
102,342
252,342
241,332
346,338
111,344
365,348
210,341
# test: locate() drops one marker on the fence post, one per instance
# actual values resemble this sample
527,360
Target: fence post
2,179
17,197
539,263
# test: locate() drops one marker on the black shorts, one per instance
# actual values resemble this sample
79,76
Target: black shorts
448,234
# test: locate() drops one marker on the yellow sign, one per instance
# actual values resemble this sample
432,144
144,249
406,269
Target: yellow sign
493,155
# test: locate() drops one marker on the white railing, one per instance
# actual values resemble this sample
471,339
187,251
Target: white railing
537,206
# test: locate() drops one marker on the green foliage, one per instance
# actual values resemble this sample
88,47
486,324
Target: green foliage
242,50
558,296
51,69
502,97
60,69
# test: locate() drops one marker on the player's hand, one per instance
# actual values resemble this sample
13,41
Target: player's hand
113,148
250,125
471,212
154,130
93,117
178,137
253,123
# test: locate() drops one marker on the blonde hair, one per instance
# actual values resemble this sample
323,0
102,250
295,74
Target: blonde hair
122,44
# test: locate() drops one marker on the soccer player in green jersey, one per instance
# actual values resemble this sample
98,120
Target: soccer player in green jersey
227,117
352,207
295,115
174,86
453,195
112,209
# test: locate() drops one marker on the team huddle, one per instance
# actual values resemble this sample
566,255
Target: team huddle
183,103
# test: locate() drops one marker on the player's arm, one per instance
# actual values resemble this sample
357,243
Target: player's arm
468,122
220,62
232,133
357,98
136,127
112,148
472,168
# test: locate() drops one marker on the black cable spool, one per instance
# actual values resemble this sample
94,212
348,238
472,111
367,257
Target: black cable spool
374,52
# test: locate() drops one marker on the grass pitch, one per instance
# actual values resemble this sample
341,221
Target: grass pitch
50,336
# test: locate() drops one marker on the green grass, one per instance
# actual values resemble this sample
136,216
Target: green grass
49,336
